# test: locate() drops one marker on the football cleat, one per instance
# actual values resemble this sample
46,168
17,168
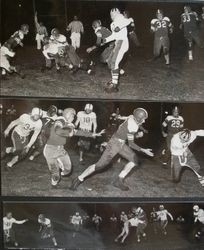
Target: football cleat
75,183
118,183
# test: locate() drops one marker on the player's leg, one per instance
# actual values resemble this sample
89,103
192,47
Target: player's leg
164,224
126,231
64,163
157,47
38,40
140,231
166,48
38,147
128,154
189,40
78,40
113,147
134,38
175,168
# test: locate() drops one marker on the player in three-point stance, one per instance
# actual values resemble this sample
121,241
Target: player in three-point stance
162,218
86,121
22,140
170,126
9,232
46,228
161,26
198,214
181,155
121,143
120,36
189,24
57,157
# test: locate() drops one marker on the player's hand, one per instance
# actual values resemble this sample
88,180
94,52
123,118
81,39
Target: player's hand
164,134
26,220
89,50
26,148
6,133
148,151
100,133
117,29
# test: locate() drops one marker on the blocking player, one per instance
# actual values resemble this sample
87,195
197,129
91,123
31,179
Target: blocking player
120,36
170,126
9,232
198,214
86,121
121,143
181,155
161,26
77,222
41,32
162,217
57,157
22,140
189,24
46,228
97,220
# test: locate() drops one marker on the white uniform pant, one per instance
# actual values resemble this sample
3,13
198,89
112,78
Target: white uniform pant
39,38
76,39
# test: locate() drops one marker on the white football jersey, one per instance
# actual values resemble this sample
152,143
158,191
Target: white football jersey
27,125
162,215
178,148
46,222
7,223
134,222
76,220
120,22
86,120
200,215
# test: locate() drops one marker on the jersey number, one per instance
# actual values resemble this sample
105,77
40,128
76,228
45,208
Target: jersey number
175,124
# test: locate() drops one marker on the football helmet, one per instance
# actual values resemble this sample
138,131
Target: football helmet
140,115
88,107
185,135
161,207
114,12
96,24
69,114
175,111
52,110
159,14
41,217
195,208
36,113
55,32
187,8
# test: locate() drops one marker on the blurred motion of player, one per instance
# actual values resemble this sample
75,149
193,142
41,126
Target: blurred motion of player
120,36
162,216
22,128
181,156
9,231
46,228
161,26
198,214
189,24
41,32
170,126
86,121
121,143
76,28
77,222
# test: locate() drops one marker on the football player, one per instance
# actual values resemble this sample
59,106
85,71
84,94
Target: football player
189,24
9,232
154,220
181,155
46,228
140,214
41,32
161,26
97,220
48,117
170,126
77,222
198,214
121,143
22,128
162,216
86,121
120,36
57,157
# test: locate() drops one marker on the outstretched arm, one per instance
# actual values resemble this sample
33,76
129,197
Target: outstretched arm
20,221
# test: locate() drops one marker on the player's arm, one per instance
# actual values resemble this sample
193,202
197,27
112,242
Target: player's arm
34,137
124,22
181,23
77,121
82,28
153,26
164,128
88,134
10,126
94,122
199,132
170,215
19,221
134,146
36,20
69,27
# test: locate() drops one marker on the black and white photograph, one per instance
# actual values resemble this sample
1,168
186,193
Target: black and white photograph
141,50
101,226
67,148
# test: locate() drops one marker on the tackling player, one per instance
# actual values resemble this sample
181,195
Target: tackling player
57,157
46,228
198,214
22,140
181,155
170,126
162,217
121,143
189,24
120,36
9,232
161,26
86,121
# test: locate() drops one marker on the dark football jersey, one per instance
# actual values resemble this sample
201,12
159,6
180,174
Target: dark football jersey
161,27
173,124
190,21
102,33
